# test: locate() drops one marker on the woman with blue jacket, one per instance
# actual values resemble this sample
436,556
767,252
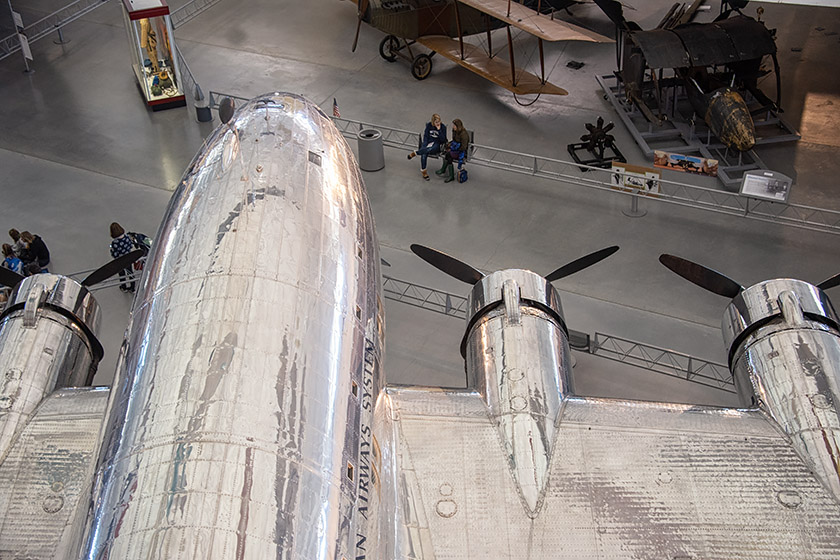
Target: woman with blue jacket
434,138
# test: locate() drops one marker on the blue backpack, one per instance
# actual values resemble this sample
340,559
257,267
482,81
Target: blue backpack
14,264
462,175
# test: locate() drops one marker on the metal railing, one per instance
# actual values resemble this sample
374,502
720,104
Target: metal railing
425,298
58,19
49,24
644,356
189,10
578,175
660,360
187,76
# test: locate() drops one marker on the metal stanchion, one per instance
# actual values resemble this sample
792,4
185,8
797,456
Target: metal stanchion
61,40
634,211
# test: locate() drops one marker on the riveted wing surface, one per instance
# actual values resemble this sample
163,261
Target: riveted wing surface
627,480
46,475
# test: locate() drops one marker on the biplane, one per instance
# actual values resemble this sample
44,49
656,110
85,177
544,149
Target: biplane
441,25
718,65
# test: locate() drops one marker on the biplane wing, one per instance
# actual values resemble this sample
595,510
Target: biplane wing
626,480
535,23
494,70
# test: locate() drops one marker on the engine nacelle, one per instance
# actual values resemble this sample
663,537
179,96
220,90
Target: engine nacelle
784,353
47,341
517,357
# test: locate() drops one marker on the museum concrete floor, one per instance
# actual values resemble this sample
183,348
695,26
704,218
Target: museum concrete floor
79,149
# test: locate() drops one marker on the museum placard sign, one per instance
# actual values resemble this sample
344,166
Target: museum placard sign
687,164
635,177
766,185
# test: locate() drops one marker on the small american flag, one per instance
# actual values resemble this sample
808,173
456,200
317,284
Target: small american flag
336,112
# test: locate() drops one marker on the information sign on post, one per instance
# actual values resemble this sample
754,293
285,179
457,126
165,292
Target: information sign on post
634,177
24,46
766,185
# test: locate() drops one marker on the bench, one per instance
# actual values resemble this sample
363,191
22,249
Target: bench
469,153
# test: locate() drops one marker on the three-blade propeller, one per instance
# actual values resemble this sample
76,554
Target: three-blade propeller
716,282
470,275
10,279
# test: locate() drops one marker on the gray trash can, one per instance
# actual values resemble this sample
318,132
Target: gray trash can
371,151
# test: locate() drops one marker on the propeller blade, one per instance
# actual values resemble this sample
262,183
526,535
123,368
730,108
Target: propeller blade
109,269
579,264
356,38
226,109
450,265
704,277
614,10
9,278
363,6
830,282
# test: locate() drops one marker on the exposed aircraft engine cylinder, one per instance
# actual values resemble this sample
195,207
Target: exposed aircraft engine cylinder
47,341
730,119
517,356
784,351
242,421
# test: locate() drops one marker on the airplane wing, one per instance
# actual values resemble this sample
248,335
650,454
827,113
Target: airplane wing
535,23
625,480
44,478
492,69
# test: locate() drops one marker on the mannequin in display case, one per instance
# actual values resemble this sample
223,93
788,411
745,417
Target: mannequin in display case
148,41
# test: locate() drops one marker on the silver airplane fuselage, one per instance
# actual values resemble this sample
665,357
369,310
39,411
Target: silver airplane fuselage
249,416
241,421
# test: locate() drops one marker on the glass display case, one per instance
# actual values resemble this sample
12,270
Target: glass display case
150,41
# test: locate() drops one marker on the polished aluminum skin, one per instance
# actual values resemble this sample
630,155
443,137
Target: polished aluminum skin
47,340
786,360
45,476
532,287
517,358
760,303
241,422
598,478
628,480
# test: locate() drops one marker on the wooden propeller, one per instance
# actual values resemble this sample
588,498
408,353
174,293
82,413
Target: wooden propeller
363,6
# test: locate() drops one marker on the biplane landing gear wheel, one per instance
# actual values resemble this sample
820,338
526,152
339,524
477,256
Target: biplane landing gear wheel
389,47
421,67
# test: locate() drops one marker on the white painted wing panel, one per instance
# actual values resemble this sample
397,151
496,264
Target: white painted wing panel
628,480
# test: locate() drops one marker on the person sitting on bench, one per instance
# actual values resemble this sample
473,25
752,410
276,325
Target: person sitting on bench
457,151
434,138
